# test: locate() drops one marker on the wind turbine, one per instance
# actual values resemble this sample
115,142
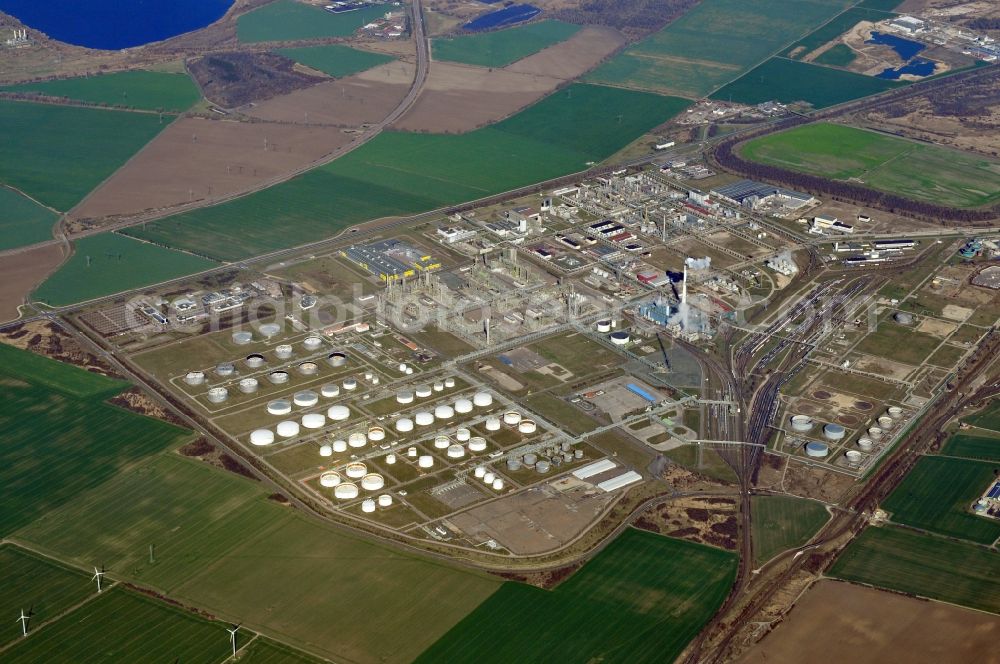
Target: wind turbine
232,637
24,620
98,574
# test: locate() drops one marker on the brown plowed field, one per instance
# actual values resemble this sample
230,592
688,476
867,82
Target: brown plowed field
193,157
21,271
348,102
459,98
841,622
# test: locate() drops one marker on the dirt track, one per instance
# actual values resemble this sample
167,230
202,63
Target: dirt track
21,272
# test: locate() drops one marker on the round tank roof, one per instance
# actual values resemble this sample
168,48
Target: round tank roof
443,412
305,398
482,399
357,439
261,437
404,396
463,406
270,329
330,479
456,451
423,419
279,407
423,391
330,390
372,482
325,450
242,338
368,506
356,470
346,491
338,413
834,431
815,449
313,420
404,425
288,428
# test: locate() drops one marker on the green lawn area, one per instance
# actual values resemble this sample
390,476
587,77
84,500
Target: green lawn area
266,651
881,5
836,27
715,42
123,626
973,447
499,48
108,263
60,439
642,599
401,173
287,20
987,418
336,60
23,221
58,154
783,522
31,582
840,55
938,494
789,81
907,168
898,343
911,562
136,89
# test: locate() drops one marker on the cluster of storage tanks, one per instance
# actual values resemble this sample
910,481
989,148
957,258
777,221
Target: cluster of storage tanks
545,460
441,412
835,432
347,484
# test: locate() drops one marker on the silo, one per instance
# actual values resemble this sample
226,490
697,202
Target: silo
368,506
404,425
372,482
865,444
834,431
376,433
312,343
422,391
340,446
444,412
404,396
449,382
853,458
492,423
242,338
817,450
482,399
346,491
287,429
511,418
225,369
248,385
350,384
195,378
463,406
463,435
513,464
313,420
330,390
279,407
283,351
801,423
357,439
336,359
254,360
425,461
325,450
441,442
338,412
527,426
455,452
217,394
498,484
329,479
278,377
479,472
305,398
269,330
423,419
308,368
356,470
261,437
477,444
385,500
543,466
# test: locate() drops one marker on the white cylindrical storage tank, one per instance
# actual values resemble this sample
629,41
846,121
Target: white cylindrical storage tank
261,437
368,506
479,472
513,464
488,477
248,385
603,326
218,394
346,491
357,439
482,399
527,426
336,359
463,406
329,479
402,367
492,423
885,422
834,431
441,442
305,398
477,444
269,330
853,457
390,459
242,338
385,500
425,461
308,368
895,412
530,459
865,444
279,407
338,412
577,454
498,484
412,452
312,343
404,396
372,482
369,375
423,419
543,466
283,351
619,338
404,425
313,420
567,457
225,369
455,452
801,423
255,360
330,390
278,377
350,383
449,382
438,386
875,433
195,378
356,470
462,435
340,446
817,450
325,450
288,428
422,391
376,434
443,412
511,418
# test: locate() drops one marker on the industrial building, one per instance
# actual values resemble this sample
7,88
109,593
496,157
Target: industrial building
751,194
390,260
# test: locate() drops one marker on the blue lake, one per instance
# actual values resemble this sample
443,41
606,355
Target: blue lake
905,48
502,17
917,67
115,24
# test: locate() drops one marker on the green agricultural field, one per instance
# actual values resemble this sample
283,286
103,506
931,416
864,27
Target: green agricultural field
401,173
23,221
135,89
265,651
500,48
916,170
987,418
335,59
58,154
288,20
901,344
122,626
640,600
881,5
938,494
840,55
109,263
30,582
836,27
790,81
713,44
911,562
973,447
783,522
60,439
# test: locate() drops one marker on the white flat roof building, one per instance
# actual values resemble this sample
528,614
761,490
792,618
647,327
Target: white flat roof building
623,480
592,469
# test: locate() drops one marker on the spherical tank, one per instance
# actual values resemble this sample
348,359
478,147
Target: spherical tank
288,428
261,437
